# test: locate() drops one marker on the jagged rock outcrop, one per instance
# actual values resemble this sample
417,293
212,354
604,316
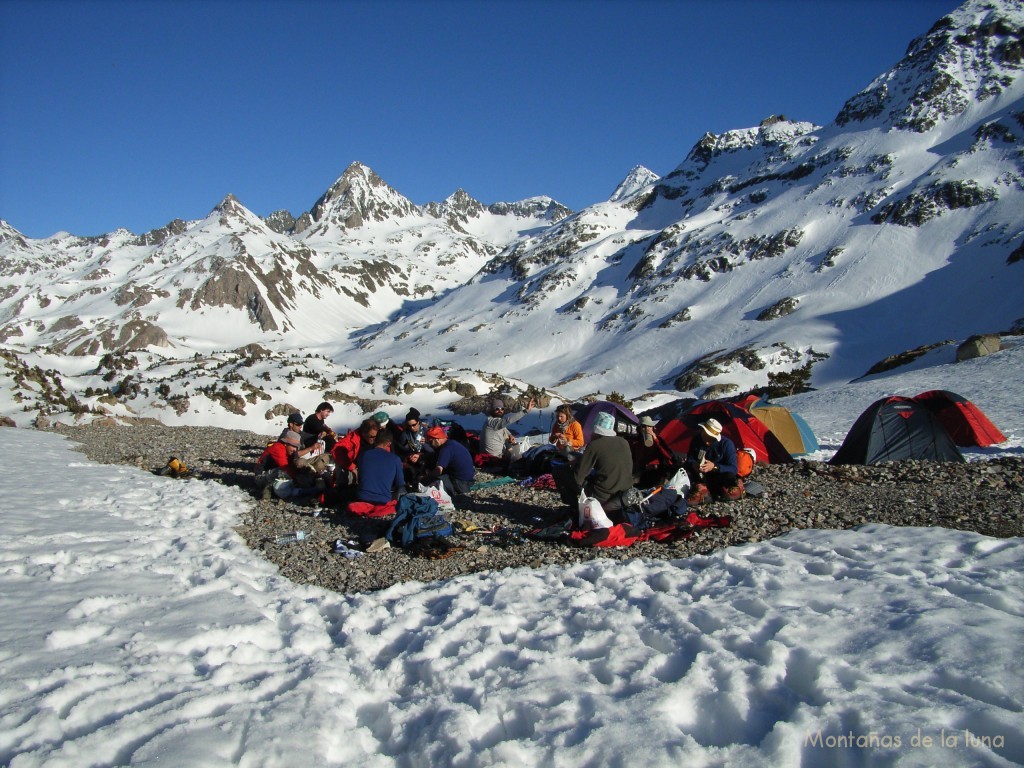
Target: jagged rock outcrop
281,222
232,287
781,308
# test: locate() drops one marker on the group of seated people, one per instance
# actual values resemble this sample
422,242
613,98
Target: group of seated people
371,464
611,465
374,463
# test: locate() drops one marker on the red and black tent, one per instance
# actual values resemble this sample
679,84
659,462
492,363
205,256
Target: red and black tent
895,428
961,418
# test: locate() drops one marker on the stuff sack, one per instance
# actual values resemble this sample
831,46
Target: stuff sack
416,517
643,509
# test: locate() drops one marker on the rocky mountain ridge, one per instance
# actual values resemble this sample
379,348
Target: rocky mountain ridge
783,244
768,248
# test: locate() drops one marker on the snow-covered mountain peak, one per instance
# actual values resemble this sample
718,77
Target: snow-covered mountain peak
460,198
459,206
231,210
635,180
968,57
540,207
358,197
7,232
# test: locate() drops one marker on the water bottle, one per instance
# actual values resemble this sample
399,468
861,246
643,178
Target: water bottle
291,538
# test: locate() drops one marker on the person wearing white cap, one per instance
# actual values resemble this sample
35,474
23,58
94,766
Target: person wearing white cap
711,465
611,460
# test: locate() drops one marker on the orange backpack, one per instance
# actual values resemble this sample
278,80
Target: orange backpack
745,461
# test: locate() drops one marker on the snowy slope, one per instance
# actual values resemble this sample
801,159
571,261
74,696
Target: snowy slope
140,630
890,228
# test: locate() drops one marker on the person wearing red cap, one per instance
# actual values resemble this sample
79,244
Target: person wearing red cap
454,463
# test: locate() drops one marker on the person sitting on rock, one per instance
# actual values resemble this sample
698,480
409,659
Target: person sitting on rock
410,439
347,450
315,427
653,461
566,432
496,438
711,465
454,465
381,477
413,450
281,460
385,422
605,470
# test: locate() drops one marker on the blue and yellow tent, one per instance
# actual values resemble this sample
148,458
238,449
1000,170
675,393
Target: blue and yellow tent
792,431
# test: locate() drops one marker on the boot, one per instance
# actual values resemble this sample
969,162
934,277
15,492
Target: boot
698,495
733,492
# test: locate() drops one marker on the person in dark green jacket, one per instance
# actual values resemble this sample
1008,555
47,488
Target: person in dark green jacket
605,470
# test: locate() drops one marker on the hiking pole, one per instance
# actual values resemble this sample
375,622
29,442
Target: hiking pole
654,492
645,499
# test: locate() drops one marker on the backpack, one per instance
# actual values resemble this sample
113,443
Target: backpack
416,517
745,462
644,510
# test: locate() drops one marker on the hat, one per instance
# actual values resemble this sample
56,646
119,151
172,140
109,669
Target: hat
712,428
647,421
288,437
604,425
295,418
496,404
436,433
381,418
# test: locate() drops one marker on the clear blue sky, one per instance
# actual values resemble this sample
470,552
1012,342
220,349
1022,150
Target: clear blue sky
131,114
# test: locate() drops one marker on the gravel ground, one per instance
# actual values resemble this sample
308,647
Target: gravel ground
986,497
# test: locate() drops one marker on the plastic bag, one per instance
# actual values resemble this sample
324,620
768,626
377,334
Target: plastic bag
679,482
591,514
437,492
517,449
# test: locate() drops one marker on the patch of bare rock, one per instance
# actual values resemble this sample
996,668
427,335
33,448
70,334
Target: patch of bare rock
985,496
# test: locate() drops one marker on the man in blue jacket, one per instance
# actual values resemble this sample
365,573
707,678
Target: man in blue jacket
381,477
454,463
711,465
